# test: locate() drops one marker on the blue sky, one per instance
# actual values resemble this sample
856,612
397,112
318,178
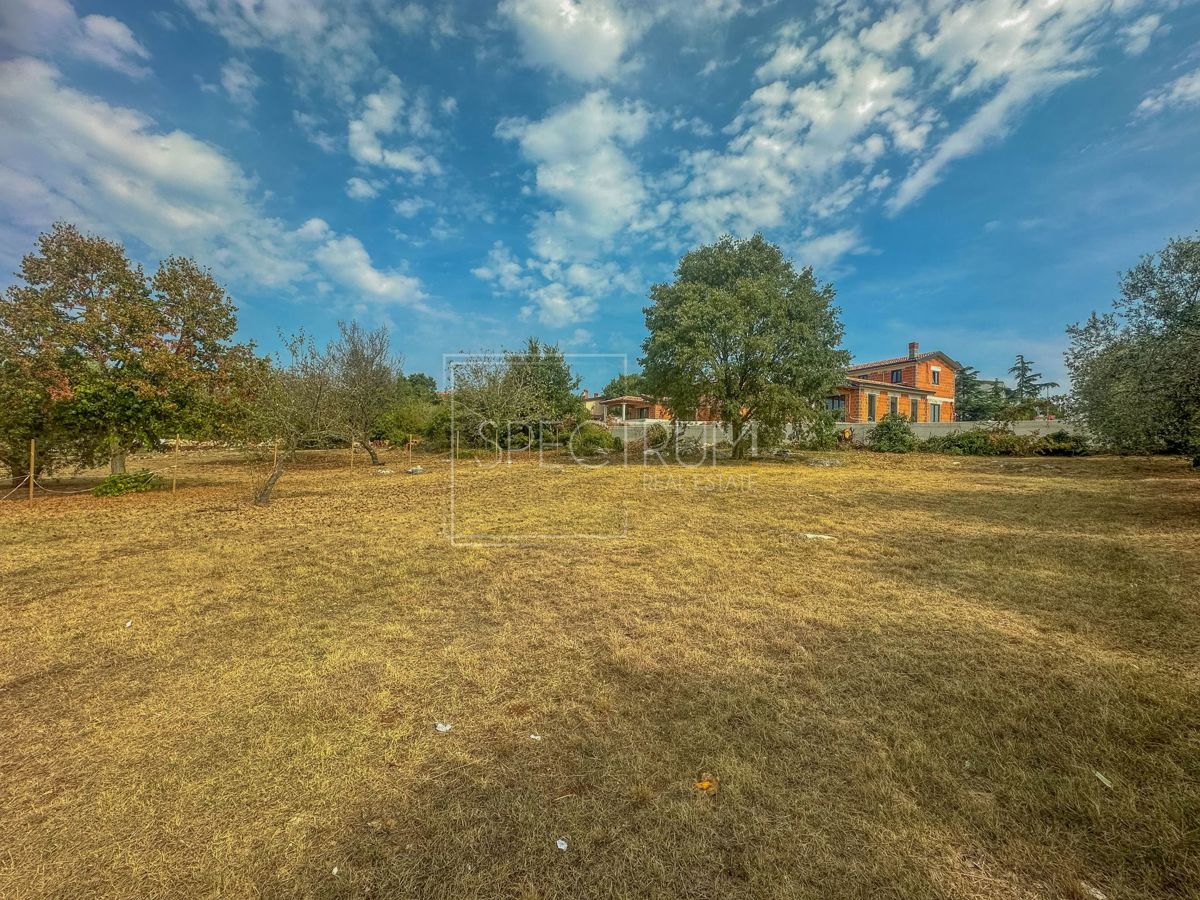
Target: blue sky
971,175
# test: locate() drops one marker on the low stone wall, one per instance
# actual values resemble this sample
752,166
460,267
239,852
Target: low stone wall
711,433
925,430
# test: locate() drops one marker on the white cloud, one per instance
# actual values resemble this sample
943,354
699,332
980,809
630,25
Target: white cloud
1183,91
381,115
51,27
240,82
848,95
583,39
822,252
578,151
327,43
503,270
313,130
346,261
581,166
408,207
1139,34
67,155
361,189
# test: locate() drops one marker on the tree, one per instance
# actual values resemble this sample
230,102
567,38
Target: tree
976,400
1028,384
417,386
1135,372
291,401
741,331
630,384
97,360
366,374
514,394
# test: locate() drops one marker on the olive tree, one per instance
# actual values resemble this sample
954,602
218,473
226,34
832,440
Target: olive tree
366,375
1135,372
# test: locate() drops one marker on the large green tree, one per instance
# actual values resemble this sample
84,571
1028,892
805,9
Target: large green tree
742,332
1135,372
97,359
627,384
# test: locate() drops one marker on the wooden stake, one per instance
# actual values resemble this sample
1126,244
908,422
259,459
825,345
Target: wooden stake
32,457
274,454
352,454
174,468
410,439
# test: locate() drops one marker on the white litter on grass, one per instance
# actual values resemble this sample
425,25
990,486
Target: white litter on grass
443,727
561,844
1094,892
335,868
129,624
416,470
1104,781
535,737
819,537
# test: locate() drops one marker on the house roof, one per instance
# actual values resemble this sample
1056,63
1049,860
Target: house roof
855,381
896,360
628,398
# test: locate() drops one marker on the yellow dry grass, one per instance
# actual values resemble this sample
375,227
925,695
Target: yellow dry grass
916,708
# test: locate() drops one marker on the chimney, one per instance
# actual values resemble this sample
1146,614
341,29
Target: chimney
913,349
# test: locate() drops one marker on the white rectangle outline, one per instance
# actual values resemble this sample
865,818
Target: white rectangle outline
485,540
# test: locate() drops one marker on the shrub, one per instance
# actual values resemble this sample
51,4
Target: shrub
1062,443
656,437
1003,442
589,438
892,434
819,433
126,483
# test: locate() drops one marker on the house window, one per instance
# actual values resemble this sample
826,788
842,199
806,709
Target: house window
935,412
936,375
912,409
836,404
894,407
870,407
897,374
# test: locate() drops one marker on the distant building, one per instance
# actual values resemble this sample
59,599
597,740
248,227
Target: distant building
919,386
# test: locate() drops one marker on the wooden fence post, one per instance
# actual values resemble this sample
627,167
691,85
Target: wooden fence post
410,440
32,463
175,468
351,454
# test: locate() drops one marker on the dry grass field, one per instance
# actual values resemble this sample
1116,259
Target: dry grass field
984,686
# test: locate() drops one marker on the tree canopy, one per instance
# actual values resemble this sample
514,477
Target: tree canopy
741,332
96,358
626,385
1135,371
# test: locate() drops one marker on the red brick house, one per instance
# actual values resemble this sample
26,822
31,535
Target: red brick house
919,386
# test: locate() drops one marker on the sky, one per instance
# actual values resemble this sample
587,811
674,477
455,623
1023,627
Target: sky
971,175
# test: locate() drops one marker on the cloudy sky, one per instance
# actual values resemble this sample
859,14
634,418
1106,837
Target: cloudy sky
971,175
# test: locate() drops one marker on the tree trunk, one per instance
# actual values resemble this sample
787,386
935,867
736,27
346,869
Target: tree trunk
736,432
116,462
375,460
263,497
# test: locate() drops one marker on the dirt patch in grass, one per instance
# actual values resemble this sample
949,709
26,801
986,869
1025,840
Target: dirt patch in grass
204,698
